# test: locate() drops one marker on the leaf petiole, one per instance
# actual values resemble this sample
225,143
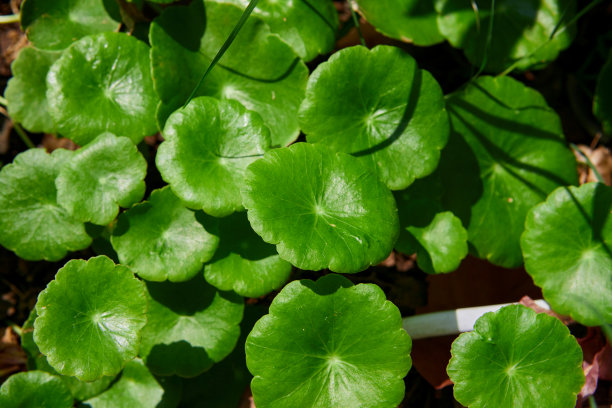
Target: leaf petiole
9,19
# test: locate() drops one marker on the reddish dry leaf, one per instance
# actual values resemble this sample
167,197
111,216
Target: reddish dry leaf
530,303
12,357
601,159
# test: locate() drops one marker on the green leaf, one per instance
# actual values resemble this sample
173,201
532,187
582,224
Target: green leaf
329,344
520,32
89,318
160,239
567,248
379,106
137,387
107,173
308,26
516,358
412,21
244,263
602,104
54,25
208,146
258,70
102,83
26,90
33,225
190,327
506,153
34,389
322,209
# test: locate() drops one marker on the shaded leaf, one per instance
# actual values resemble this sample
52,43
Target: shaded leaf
602,104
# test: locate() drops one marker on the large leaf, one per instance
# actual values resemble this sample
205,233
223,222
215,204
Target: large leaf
567,248
33,225
89,318
516,358
521,30
106,174
244,263
412,21
54,25
161,239
103,83
190,327
380,107
26,91
258,70
329,344
506,153
321,209
308,26
208,145
602,104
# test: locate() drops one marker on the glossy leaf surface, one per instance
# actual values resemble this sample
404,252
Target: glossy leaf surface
208,145
106,174
259,70
54,25
320,208
161,240
190,327
245,263
26,91
379,106
567,248
516,358
507,152
103,83
34,389
329,344
89,318
602,105
33,224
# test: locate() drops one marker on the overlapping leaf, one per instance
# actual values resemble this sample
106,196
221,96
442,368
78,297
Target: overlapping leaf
34,389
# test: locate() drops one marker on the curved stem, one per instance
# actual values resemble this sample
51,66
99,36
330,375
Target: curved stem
589,163
356,23
3,101
23,135
11,18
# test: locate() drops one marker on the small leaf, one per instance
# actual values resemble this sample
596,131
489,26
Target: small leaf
107,173
26,91
321,209
190,327
413,21
89,318
102,83
379,106
244,263
34,389
567,247
208,145
54,25
602,104
329,344
33,225
160,239
516,358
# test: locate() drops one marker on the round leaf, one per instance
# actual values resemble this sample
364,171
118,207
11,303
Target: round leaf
190,327
26,91
54,25
244,263
103,83
516,358
33,225
259,70
379,106
34,389
309,27
521,31
90,318
412,21
329,344
567,248
208,146
602,104
160,239
322,209
107,173
506,153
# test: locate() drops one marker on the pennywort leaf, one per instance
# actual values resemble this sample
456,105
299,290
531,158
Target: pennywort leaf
34,389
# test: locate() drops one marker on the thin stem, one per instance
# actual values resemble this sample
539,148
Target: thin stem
15,328
356,22
3,101
589,163
592,402
11,18
224,47
485,54
23,135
